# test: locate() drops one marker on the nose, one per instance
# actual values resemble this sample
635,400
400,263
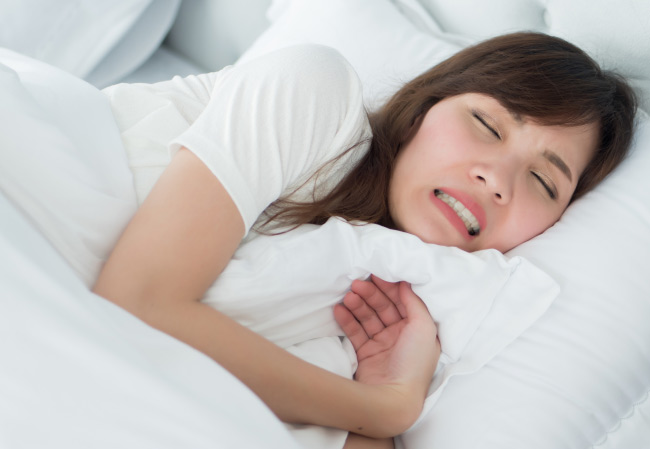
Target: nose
497,180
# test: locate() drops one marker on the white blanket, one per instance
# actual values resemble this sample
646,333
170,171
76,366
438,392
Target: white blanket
76,370
284,287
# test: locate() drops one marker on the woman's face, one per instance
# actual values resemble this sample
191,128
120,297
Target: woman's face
475,176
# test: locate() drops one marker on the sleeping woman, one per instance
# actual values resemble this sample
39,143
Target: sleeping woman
483,151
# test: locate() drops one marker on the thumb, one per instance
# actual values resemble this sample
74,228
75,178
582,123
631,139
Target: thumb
412,305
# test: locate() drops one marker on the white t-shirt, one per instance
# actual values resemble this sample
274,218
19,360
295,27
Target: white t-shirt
263,127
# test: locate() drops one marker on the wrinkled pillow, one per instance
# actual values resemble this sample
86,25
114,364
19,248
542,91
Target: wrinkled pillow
385,48
583,369
101,42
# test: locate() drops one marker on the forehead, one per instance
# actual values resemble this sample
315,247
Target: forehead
575,145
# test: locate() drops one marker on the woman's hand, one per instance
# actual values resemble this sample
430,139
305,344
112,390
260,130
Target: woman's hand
393,334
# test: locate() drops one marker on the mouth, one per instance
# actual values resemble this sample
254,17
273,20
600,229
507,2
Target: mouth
464,214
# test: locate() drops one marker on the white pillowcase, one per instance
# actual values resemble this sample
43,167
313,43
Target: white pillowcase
63,162
382,45
95,40
584,368
615,34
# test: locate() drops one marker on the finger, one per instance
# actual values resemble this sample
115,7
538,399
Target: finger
413,305
364,314
350,326
391,290
384,307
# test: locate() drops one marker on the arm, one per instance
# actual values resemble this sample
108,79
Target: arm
176,245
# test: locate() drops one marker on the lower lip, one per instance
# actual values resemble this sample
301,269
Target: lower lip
451,216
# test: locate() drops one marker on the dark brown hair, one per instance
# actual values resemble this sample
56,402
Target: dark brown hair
533,75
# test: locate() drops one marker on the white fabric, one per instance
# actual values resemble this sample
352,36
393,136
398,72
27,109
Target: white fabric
213,34
365,32
389,42
62,160
98,41
631,431
580,375
77,371
139,109
137,44
163,65
300,275
294,292
615,34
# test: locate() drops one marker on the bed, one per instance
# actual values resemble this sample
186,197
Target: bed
78,371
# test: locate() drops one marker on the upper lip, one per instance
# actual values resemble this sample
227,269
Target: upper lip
469,203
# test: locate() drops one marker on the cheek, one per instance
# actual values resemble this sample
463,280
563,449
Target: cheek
431,151
531,222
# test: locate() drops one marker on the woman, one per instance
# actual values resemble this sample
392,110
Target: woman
485,150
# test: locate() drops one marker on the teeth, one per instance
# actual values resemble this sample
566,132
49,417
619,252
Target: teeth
472,225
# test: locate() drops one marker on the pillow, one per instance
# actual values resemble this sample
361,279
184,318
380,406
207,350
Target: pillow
385,49
137,45
467,18
63,164
584,367
617,36
582,372
99,41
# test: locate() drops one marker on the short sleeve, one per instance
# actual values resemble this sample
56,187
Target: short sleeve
272,122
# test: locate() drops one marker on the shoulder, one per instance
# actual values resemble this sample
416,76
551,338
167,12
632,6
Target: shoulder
315,60
316,67
312,88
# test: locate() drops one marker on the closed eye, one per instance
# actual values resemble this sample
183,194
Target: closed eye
480,118
549,189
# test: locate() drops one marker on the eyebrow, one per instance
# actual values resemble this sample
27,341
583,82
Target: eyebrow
552,157
558,162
